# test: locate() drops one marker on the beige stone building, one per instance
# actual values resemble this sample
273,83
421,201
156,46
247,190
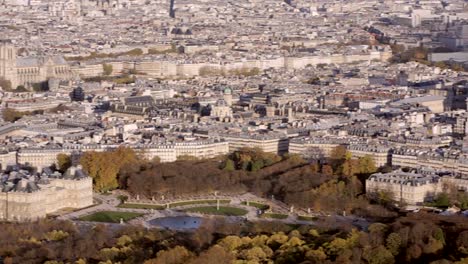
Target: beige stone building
221,110
166,152
202,149
410,158
434,103
325,145
277,144
410,188
413,188
188,68
27,197
381,155
7,158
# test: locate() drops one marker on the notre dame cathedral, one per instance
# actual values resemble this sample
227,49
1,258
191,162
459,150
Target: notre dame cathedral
27,71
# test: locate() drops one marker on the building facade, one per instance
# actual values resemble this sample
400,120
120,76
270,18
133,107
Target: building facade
29,197
414,187
166,152
27,71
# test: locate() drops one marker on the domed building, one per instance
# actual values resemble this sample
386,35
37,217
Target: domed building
221,110
227,96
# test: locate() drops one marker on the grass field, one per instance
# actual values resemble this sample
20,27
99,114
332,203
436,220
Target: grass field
142,206
307,218
110,216
198,202
258,205
223,210
274,216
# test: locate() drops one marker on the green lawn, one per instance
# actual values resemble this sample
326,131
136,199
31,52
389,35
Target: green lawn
223,210
198,202
258,205
275,216
142,206
110,216
307,218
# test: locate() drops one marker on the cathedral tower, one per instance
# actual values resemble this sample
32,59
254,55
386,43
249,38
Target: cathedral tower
8,62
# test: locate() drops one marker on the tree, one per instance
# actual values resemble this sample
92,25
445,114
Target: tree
378,255
314,233
462,242
317,255
254,254
336,246
396,49
107,69
378,228
104,167
214,255
252,159
124,240
337,157
256,165
11,115
441,64
229,165
313,80
394,243
176,255
420,53
462,261
315,168
439,235
40,86
210,71
5,84
156,160
327,170
442,200
367,165
21,89
230,243
122,198
63,162
56,235
186,157
339,153
432,246
457,67
134,52
349,168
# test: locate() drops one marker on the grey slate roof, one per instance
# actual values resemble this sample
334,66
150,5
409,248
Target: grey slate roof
39,61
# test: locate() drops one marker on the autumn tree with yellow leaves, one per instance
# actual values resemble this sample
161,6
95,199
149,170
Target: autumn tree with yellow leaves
104,167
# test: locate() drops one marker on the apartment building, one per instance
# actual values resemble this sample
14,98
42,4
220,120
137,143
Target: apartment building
416,186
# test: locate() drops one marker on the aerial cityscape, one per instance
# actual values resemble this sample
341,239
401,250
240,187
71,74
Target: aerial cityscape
249,131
